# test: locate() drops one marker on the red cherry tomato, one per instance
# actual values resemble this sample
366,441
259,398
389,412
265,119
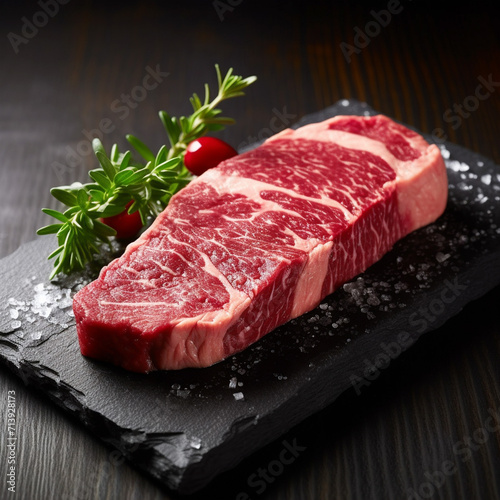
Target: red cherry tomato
126,225
205,153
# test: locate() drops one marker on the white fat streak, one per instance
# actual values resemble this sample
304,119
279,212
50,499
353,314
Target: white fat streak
236,297
357,142
251,188
307,293
340,137
165,268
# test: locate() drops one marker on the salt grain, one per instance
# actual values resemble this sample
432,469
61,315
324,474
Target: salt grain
196,443
486,179
441,257
457,166
444,152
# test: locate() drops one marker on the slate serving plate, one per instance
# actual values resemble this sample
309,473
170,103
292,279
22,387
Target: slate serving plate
185,427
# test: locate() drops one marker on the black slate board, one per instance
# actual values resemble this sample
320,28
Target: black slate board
185,427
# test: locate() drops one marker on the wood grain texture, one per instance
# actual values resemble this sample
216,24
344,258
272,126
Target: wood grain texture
431,406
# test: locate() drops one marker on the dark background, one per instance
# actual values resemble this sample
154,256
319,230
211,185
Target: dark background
423,68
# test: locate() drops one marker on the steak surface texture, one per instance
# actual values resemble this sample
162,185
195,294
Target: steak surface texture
259,240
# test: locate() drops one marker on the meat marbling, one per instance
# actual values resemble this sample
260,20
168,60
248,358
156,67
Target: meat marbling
259,240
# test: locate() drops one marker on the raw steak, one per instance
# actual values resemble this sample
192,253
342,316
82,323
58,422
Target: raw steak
259,240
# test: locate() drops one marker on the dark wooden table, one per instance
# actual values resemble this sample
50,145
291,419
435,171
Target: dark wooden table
423,428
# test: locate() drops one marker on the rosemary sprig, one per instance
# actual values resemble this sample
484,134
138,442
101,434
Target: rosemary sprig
145,186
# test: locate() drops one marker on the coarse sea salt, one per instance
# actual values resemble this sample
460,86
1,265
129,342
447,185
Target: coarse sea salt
457,166
486,179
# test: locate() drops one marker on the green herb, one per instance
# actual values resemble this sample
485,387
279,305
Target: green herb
148,185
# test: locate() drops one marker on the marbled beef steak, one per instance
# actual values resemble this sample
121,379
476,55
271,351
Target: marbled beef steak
259,240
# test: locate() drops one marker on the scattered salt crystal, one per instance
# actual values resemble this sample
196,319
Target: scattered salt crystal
464,186
458,166
176,386
238,396
14,313
441,257
344,102
323,307
14,302
486,179
480,164
233,382
15,325
196,443
444,152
